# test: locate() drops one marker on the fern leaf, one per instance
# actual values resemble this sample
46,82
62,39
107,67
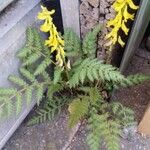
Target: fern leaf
52,89
94,135
78,109
89,42
32,59
42,67
7,91
16,80
30,36
52,107
72,43
29,44
18,103
93,69
123,114
82,75
46,76
27,74
37,40
28,94
8,107
137,79
57,74
94,95
39,95
24,52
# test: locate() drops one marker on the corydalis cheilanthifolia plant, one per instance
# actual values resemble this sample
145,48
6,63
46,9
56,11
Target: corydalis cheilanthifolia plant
78,87
119,22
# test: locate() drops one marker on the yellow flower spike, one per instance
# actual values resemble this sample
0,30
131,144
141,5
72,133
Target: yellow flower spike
132,5
121,42
122,16
124,28
54,41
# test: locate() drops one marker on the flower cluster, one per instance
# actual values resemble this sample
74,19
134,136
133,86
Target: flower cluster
55,42
119,22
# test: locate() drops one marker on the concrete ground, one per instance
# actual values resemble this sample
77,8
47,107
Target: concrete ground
54,135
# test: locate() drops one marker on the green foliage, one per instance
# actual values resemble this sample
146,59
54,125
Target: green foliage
57,74
49,110
72,43
105,124
78,109
82,82
89,45
93,69
94,136
27,85
35,51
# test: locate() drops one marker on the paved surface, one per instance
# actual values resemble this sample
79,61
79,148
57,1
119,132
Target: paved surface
54,135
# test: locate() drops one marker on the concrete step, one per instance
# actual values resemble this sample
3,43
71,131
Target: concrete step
13,24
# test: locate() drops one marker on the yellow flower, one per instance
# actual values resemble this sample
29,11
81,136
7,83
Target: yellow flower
127,15
121,42
118,6
131,4
124,28
46,26
55,42
119,22
45,14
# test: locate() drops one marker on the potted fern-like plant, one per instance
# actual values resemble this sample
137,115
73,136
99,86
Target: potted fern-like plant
79,82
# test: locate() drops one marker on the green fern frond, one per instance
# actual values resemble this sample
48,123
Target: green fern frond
53,88
57,74
101,127
93,69
89,42
30,36
124,114
39,95
27,75
18,103
28,94
48,112
43,66
27,50
131,80
16,80
95,96
8,107
32,59
137,79
7,91
46,76
78,109
111,131
94,136
72,43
